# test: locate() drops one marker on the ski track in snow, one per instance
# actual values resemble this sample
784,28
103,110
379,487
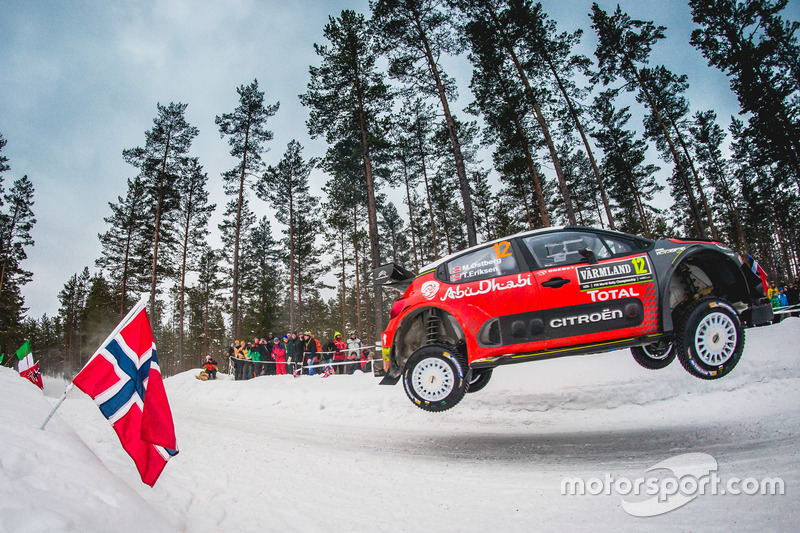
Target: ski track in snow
345,454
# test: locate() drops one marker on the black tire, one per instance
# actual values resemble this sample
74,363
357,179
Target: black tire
710,338
654,356
434,378
479,380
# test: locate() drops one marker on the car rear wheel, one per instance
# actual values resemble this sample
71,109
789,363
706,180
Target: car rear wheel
434,378
654,356
711,338
479,380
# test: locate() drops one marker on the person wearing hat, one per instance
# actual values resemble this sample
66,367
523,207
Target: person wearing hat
353,345
210,367
309,351
339,356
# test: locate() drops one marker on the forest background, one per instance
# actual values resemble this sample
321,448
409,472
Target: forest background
421,127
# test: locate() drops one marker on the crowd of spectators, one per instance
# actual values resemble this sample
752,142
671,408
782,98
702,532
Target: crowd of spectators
783,296
298,353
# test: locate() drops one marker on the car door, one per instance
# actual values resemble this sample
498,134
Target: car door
594,287
492,292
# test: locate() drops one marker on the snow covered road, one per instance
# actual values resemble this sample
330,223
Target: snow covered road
345,454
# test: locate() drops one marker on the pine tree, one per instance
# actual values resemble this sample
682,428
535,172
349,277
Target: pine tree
16,224
416,34
758,50
348,99
246,126
503,37
666,90
261,281
238,218
161,163
285,187
504,108
631,182
126,245
708,138
192,216
622,44
72,314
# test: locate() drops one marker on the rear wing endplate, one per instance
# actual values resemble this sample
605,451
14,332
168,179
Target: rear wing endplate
392,276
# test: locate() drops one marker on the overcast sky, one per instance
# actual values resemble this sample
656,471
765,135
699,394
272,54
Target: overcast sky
79,82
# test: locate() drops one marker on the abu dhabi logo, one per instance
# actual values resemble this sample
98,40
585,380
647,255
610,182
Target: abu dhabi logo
671,484
429,289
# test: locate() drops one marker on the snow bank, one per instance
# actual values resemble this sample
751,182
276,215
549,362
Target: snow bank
345,454
50,480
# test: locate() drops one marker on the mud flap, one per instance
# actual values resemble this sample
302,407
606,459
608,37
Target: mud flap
388,379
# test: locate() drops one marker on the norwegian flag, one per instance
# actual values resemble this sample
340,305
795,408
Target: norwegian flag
296,372
124,380
328,372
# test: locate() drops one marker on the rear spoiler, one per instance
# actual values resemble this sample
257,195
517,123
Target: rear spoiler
393,276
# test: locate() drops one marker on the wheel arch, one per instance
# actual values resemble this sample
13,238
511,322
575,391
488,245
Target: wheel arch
413,333
727,279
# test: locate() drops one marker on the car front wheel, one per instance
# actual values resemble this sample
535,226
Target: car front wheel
711,338
434,378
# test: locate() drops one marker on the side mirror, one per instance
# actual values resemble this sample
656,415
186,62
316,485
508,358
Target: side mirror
588,255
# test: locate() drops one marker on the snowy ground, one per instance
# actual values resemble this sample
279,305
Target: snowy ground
344,454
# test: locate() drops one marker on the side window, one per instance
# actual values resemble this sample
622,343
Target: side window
619,245
491,262
562,248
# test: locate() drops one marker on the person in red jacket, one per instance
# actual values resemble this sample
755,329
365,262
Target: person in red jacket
279,354
210,367
339,356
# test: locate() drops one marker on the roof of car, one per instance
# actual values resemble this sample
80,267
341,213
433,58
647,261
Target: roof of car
435,264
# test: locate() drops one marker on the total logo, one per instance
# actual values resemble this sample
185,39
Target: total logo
429,289
612,294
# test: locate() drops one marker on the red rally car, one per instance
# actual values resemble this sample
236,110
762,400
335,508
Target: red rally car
566,291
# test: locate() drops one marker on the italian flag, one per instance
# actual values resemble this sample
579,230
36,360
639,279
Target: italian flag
24,350
27,368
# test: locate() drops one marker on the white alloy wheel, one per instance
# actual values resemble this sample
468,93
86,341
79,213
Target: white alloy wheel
433,379
715,339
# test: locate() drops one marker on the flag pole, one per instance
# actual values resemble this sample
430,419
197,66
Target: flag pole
136,308
57,405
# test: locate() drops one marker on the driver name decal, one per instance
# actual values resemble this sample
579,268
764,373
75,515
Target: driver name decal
625,272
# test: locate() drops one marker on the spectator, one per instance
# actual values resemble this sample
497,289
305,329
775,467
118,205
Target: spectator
772,290
782,298
329,350
248,360
354,345
279,354
210,367
339,356
310,352
256,352
235,354
269,367
297,350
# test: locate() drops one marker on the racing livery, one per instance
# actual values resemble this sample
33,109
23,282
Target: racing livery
566,291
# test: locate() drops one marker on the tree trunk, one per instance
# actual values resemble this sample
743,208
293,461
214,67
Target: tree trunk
586,145
372,210
158,223
235,303
461,171
681,172
539,118
411,217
